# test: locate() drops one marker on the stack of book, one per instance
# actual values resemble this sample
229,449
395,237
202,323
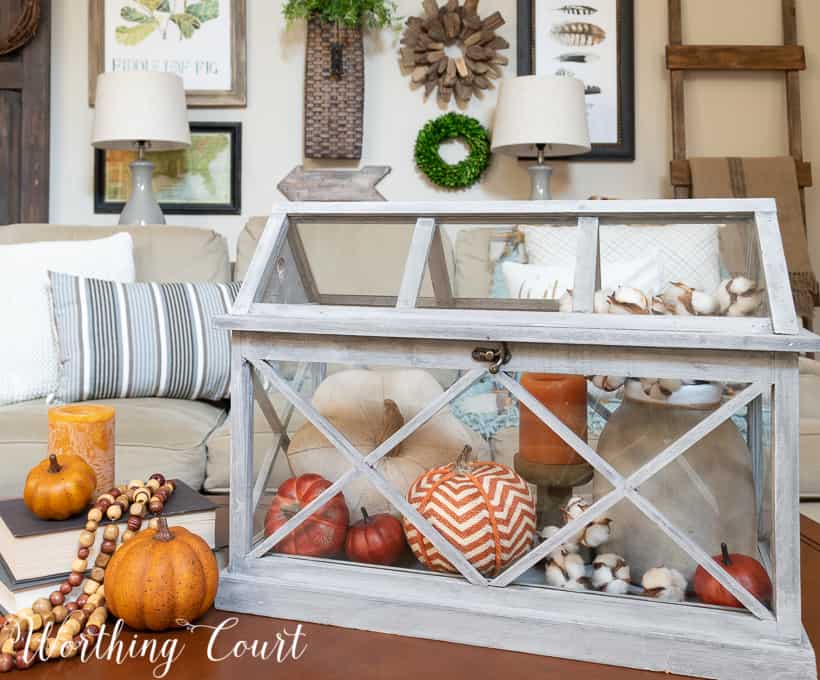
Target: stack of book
36,555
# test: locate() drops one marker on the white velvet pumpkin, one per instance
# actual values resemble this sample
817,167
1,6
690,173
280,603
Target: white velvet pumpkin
367,406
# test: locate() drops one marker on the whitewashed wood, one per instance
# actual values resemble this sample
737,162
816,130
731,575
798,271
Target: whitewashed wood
241,482
458,324
587,266
786,496
282,442
262,263
350,452
416,262
456,302
334,185
700,556
506,212
693,436
778,287
754,440
440,279
720,365
691,641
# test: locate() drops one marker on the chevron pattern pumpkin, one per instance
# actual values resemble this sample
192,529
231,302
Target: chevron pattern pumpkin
484,509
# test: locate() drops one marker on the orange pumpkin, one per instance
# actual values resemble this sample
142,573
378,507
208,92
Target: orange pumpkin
484,509
59,489
320,535
161,579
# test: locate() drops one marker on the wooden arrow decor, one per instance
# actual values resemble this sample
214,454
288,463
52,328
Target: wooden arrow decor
334,185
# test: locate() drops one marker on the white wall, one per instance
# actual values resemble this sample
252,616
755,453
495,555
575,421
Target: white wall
741,116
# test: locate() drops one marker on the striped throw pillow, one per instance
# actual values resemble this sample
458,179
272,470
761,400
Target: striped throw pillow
121,340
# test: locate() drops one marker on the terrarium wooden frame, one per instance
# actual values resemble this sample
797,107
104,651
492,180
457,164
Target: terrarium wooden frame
295,326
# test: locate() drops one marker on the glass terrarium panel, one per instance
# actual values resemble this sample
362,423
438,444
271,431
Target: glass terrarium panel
340,263
493,482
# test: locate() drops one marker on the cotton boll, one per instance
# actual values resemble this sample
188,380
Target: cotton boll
746,305
576,506
558,554
740,285
616,587
565,303
600,303
574,567
580,584
703,304
555,576
597,533
664,584
658,306
674,292
608,383
626,300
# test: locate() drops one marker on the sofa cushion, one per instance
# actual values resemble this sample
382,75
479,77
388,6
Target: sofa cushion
152,435
161,253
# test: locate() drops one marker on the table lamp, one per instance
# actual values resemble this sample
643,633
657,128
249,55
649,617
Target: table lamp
541,115
142,111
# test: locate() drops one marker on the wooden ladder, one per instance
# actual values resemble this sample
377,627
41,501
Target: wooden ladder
789,58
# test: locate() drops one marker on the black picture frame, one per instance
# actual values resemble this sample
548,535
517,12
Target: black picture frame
233,207
624,148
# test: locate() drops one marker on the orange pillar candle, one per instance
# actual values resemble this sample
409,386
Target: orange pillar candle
566,397
85,430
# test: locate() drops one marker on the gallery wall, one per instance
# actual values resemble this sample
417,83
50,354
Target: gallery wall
744,115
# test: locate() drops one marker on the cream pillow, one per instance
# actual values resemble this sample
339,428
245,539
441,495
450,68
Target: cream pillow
550,283
29,364
686,252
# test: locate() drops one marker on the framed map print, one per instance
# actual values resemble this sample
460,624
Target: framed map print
592,41
205,178
202,41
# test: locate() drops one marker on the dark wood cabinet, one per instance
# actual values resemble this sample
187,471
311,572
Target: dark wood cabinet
25,89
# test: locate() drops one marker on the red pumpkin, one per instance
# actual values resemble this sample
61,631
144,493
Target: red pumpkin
746,570
376,540
321,534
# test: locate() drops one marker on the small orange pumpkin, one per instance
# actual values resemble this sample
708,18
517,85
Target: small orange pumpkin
59,489
162,578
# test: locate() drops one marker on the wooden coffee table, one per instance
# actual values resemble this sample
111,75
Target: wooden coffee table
336,653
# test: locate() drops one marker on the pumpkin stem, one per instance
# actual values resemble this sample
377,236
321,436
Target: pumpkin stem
464,462
724,549
163,532
365,516
53,466
393,422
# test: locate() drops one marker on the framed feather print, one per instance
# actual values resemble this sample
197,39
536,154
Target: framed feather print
591,40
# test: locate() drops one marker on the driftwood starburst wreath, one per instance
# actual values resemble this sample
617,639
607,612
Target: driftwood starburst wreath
453,50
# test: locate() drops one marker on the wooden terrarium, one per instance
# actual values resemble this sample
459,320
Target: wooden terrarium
561,428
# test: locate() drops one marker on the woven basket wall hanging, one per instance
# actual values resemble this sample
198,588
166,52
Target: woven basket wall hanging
334,91
24,29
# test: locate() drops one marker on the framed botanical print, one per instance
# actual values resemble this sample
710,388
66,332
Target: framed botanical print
205,178
594,42
203,41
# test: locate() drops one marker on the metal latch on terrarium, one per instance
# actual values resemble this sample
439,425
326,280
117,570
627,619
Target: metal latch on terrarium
496,357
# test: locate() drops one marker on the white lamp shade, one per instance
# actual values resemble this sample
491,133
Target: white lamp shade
139,106
549,110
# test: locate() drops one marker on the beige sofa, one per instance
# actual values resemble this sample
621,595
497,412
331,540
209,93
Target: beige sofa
191,440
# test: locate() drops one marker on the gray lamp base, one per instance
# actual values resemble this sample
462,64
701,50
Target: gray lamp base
142,207
540,182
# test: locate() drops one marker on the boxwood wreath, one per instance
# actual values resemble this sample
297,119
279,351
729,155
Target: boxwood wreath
460,175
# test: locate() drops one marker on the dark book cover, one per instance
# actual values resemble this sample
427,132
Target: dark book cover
23,524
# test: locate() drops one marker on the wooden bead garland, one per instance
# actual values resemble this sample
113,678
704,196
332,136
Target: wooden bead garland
80,621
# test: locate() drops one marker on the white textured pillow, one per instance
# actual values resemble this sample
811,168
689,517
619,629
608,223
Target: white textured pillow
550,283
687,252
29,363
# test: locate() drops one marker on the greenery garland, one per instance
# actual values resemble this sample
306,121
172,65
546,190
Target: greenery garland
451,126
